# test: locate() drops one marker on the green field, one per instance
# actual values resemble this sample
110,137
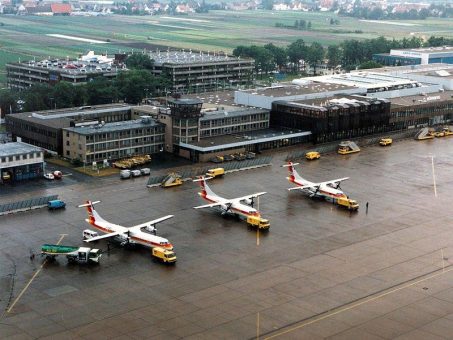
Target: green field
25,36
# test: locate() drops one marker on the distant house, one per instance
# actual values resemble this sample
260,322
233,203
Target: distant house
39,10
181,8
280,7
61,9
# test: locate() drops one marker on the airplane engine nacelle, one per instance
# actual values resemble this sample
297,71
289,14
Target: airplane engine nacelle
248,201
151,229
224,207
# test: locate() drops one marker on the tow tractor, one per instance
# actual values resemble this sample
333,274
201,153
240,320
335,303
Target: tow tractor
73,254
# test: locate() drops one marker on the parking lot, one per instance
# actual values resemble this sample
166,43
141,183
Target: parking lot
320,272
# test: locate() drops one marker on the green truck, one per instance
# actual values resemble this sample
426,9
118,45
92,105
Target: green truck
73,254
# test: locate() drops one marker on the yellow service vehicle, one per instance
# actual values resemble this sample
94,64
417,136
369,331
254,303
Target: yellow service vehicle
171,180
447,131
439,134
312,155
164,255
385,141
216,172
258,222
347,147
347,203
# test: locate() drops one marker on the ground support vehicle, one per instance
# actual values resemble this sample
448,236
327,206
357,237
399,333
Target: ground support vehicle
216,172
217,159
347,147
312,155
164,255
385,141
346,203
425,133
447,132
171,180
73,254
56,204
258,222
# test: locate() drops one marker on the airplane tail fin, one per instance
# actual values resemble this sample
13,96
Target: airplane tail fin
292,172
205,189
92,213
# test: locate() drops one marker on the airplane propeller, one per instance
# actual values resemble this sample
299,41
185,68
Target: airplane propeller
225,210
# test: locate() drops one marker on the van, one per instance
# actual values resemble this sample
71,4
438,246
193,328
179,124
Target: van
87,234
385,141
145,171
135,173
56,204
217,172
124,174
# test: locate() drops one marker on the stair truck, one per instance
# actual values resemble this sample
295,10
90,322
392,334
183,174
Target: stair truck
347,147
73,254
171,180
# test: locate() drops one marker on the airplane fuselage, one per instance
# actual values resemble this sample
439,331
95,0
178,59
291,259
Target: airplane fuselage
138,237
235,208
325,191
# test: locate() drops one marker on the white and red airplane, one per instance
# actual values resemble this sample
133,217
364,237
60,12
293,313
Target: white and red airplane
328,190
132,235
232,206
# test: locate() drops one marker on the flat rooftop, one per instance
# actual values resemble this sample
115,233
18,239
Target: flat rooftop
236,112
425,49
242,139
304,87
407,69
72,67
364,79
189,57
430,98
17,148
61,117
214,98
112,127
337,100
441,74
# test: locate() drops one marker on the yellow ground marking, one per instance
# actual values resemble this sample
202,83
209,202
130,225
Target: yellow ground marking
434,176
359,304
258,326
31,280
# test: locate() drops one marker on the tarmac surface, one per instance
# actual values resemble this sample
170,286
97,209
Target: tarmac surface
320,272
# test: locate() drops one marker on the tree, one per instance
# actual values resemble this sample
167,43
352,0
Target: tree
37,98
369,64
132,85
139,61
333,56
309,25
63,95
101,91
279,54
315,54
8,101
296,52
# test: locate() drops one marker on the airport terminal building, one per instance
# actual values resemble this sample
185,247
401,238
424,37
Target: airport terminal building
416,56
113,141
19,161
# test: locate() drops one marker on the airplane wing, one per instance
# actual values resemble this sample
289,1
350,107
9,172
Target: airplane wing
334,181
218,204
116,233
249,196
150,223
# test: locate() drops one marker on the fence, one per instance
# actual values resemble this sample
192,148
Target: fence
33,203
229,167
332,147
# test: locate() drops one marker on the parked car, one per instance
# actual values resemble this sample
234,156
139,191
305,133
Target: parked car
217,159
49,176
250,155
135,173
239,156
57,174
312,155
145,171
124,174
228,158
56,204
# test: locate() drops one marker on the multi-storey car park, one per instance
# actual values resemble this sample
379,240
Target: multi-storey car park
194,72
